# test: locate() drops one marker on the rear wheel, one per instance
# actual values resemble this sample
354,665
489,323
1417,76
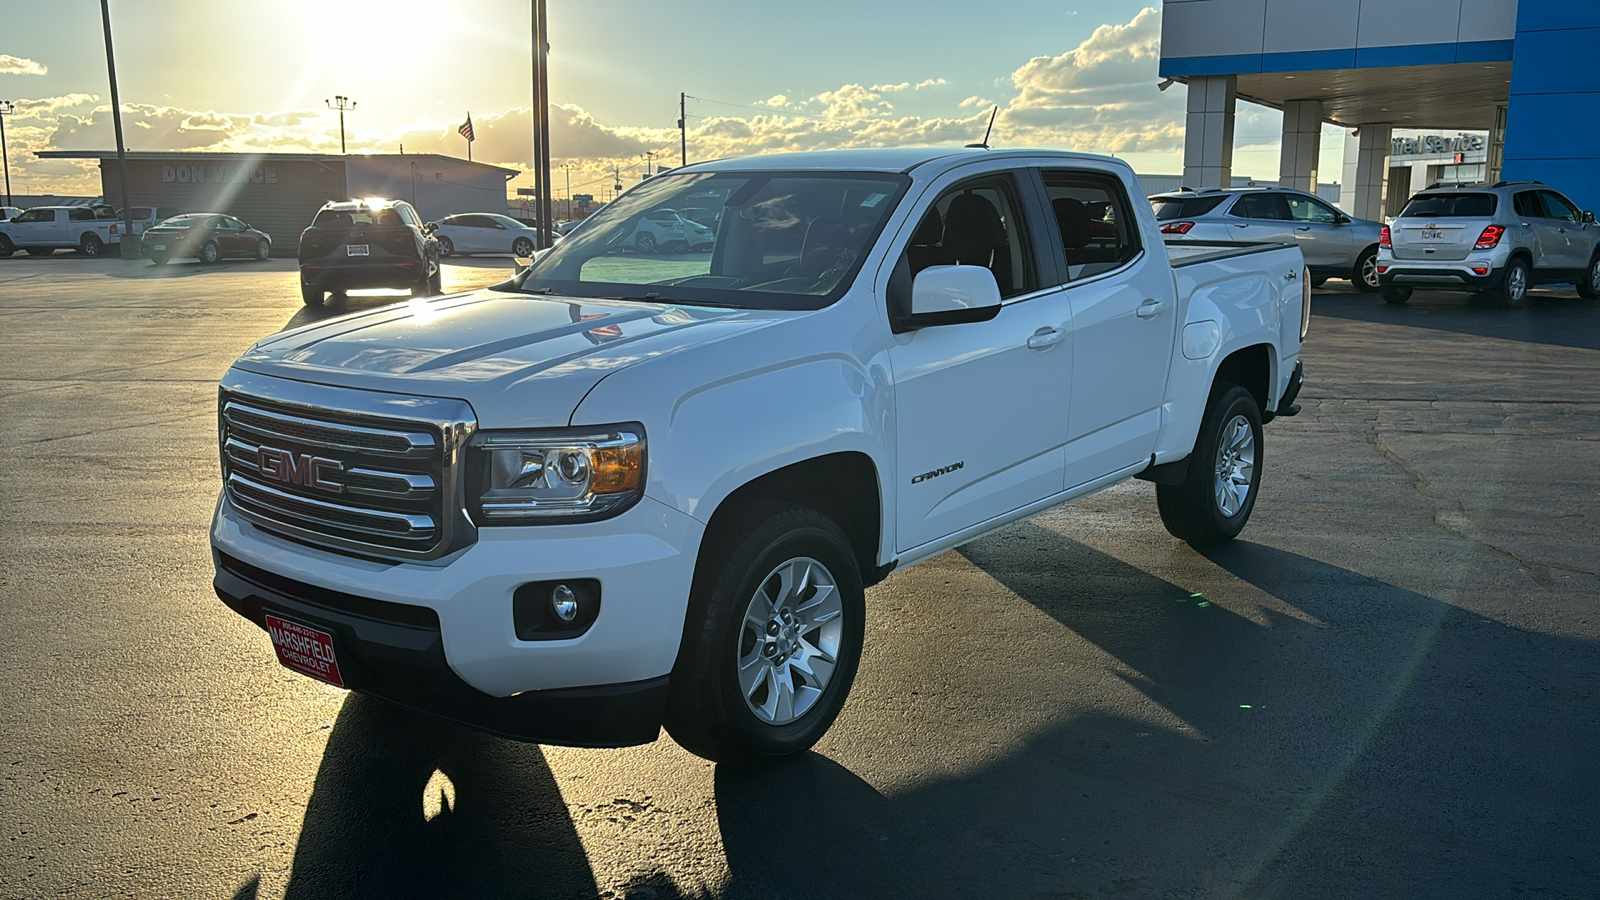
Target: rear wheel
91,245
773,639
263,249
6,247
159,259
1396,295
447,247
1514,288
311,296
646,243
1214,501
1589,282
1365,274
209,253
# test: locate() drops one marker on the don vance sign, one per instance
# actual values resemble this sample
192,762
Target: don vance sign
220,174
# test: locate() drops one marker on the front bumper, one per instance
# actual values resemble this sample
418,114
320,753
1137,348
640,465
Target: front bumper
642,559
396,652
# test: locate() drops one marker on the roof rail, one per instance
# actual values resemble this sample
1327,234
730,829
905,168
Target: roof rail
1523,181
1451,184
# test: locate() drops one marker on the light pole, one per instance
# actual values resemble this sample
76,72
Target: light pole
568,168
341,103
6,109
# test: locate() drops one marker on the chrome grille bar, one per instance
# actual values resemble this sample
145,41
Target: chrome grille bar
321,514
340,436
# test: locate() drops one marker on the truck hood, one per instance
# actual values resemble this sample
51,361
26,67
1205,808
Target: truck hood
520,360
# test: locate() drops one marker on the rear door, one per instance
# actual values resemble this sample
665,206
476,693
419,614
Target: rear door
1123,323
1566,245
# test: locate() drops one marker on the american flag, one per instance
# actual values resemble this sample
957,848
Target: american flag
466,129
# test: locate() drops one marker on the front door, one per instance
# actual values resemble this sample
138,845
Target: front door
37,227
1320,231
981,408
1566,244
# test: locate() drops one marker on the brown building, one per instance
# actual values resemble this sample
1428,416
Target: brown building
280,192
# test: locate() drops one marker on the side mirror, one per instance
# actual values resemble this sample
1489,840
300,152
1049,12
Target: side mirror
952,295
430,227
1341,219
1588,217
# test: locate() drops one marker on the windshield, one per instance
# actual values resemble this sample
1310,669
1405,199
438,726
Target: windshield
1168,208
1450,206
789,240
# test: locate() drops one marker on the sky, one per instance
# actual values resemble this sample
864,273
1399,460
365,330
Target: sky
761,78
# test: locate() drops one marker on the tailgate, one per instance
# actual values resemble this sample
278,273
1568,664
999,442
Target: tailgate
1442,239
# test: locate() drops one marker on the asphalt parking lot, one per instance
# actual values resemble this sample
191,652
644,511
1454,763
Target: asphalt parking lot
1386,688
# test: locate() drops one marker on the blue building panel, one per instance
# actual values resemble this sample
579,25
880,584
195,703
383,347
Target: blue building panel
1553,15
1555,62
1408,55
1553,117
1308,60
1331,60
1484,51
1242,64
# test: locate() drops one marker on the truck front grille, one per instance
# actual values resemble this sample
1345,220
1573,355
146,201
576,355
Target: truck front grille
343,475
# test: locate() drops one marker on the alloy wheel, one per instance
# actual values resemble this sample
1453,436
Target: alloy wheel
789,641
1236,463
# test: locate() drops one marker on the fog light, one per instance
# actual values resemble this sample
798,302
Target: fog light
564,603
1382,269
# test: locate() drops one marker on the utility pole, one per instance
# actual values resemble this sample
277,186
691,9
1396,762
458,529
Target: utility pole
683,133
568,168
648,156
6,109
340,103
541,120
126,241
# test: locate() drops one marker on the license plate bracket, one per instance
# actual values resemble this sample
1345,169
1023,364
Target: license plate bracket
355,250
304,649
1431,234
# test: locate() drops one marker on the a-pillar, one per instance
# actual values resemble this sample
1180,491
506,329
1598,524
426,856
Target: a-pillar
1368,179
1302,143
1208,132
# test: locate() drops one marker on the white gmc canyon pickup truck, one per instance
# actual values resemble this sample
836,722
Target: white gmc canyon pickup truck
629,489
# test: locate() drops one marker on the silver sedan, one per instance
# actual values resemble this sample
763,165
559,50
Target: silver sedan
1334,244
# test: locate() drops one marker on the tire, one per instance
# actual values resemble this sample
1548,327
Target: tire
436,281
1215,500
210,253
1514,285
645,243
522,247
776,707
447,247
6,247
91,245
1589,282
1319,281
1365,274
263,250
159,259
310,296
1396,295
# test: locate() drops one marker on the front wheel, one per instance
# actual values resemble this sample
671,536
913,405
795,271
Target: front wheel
1396,295
1365,274
436,281
159,259
772,642
263,249
446,247
645,243
522,248
1589,282
1214,501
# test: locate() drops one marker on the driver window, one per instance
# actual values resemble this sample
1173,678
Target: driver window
1305,209
1558,207
977,223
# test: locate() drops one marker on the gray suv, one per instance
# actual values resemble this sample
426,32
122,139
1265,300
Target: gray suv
1333,244
1499,239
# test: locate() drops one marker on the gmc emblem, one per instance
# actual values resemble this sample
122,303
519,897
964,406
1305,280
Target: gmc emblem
305,470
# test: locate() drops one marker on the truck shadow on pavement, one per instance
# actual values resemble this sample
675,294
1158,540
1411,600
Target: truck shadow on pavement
1369,741
407,805
1284,728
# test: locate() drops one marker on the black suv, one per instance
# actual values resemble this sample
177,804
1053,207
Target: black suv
367,244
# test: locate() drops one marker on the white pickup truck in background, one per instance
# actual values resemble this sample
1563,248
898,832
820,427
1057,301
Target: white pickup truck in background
628,490
45,229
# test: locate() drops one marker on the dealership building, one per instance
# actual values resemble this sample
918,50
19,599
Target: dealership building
1487,89
280,192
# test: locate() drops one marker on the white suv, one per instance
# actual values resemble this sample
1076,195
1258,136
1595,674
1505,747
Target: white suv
1499,239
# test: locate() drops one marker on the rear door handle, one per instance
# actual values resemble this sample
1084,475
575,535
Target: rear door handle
1303,228
1045,338
1150,309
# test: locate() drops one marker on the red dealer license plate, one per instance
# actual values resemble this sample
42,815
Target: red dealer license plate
305,650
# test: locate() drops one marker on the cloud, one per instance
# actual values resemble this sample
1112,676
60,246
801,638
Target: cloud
885,88
16,65
931,82
976,101
775,100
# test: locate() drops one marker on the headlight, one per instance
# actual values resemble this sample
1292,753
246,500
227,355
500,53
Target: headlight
567,475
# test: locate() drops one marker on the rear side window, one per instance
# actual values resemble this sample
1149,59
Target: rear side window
1261,206
1168,208
1526,203
80,214
1450,206
1094,221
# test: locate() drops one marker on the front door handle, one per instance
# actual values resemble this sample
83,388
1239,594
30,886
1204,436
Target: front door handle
1045,338
1303,228
1240,224
1150,309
